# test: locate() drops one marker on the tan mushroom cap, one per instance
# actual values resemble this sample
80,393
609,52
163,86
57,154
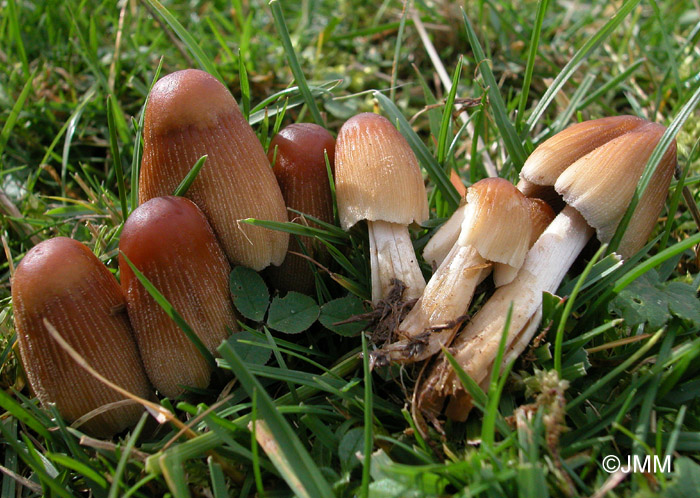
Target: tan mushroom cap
601,184
62,281
190,114
169,240
554,155
497,221
377,174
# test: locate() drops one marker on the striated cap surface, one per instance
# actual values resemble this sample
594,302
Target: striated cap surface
169,240
299,163
600,185
497,221
60,280
554,155
377,174
191,114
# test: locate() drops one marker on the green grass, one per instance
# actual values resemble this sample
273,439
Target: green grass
605,378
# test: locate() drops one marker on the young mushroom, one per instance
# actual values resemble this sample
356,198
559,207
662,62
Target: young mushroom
298,161
378,179
497,228
597,189
169,240
191,114
60,281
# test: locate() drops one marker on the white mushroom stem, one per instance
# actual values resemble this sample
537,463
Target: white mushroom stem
446,298
392,257
441,243
544,268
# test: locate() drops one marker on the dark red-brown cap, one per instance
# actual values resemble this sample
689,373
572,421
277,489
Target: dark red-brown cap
169,240
60,280
297,155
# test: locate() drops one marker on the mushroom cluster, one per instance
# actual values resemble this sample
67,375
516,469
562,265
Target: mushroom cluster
181,249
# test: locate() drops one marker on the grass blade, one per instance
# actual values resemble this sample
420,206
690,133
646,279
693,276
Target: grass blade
530,66
447,115
496,386
559,338
187,39
245,87
294,63
15,34
301,466
14,113
116,157
121,466
653,162
368,421
172,313
578,58
186,182
138,141
500,113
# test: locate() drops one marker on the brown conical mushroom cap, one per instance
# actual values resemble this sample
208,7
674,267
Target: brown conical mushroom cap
553,156
190,114
297,156
169,240
62,281
600,185
377,174
650,205
300,168
497,221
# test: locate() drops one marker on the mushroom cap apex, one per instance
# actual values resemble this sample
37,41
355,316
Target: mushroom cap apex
377,174
189,97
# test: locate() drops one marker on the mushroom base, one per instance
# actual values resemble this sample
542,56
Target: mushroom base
439,312
476,347
392,257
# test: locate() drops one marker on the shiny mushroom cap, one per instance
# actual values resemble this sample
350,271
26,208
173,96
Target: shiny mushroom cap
298,155
169,240
377,174
62,281
189,114
554,155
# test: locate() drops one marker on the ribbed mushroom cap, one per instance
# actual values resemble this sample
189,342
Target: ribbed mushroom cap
297,155
300,168
553,156
497,221
62,281
377,174
601,184
190,114
169,240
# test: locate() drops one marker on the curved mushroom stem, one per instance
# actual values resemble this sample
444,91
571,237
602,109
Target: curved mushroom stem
476,347
441,243
434,319
392,257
